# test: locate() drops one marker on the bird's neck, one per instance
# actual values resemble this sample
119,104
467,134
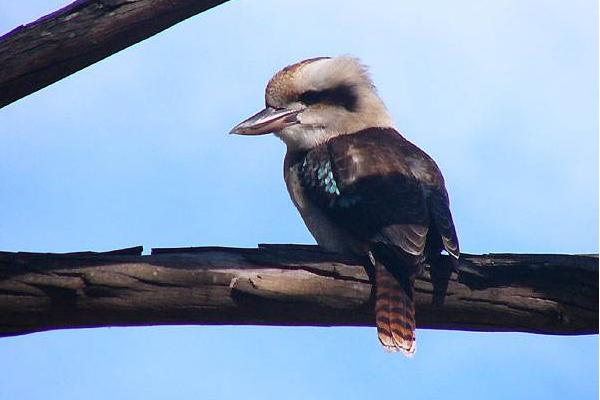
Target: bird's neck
304,138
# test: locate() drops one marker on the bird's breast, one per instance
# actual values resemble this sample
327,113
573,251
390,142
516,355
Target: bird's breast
328,235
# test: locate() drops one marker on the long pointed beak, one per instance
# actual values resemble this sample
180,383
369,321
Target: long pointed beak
266,121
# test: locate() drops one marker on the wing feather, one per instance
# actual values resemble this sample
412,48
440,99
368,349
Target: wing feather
382,189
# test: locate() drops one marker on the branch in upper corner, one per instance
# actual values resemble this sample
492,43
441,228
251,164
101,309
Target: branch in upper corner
37,54
285,285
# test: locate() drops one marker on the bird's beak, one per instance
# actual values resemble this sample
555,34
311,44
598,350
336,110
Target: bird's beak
268,120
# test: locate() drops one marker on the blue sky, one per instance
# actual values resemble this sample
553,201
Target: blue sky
134,150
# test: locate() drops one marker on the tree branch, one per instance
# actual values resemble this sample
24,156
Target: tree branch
285,285
35,55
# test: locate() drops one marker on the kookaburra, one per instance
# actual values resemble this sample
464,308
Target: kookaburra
360,186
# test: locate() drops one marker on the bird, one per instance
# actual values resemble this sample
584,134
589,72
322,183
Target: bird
360,186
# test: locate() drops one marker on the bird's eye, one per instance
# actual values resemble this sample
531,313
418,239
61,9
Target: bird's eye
343,96
312,97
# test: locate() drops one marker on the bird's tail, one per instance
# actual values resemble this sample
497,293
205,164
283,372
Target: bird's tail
394,312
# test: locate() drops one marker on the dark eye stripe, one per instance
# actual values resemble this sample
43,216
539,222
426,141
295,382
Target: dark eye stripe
342,95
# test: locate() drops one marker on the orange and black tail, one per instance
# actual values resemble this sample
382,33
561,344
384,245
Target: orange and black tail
394,312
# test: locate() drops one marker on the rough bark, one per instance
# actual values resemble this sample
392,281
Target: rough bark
34,55
285,285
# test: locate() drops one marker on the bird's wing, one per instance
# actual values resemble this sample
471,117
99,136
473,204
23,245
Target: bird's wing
381,188
439,209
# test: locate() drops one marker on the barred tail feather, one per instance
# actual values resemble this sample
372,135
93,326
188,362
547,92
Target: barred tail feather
394,312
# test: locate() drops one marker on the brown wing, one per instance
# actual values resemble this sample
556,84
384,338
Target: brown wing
439,209
382,189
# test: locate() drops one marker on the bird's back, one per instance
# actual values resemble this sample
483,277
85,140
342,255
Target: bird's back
378,187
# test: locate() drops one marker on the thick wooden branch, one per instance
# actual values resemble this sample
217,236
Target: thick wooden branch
35,55
285,285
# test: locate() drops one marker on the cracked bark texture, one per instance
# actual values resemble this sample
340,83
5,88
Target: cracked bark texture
286,285
37,54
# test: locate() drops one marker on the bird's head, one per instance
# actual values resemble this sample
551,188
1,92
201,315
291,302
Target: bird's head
314,100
